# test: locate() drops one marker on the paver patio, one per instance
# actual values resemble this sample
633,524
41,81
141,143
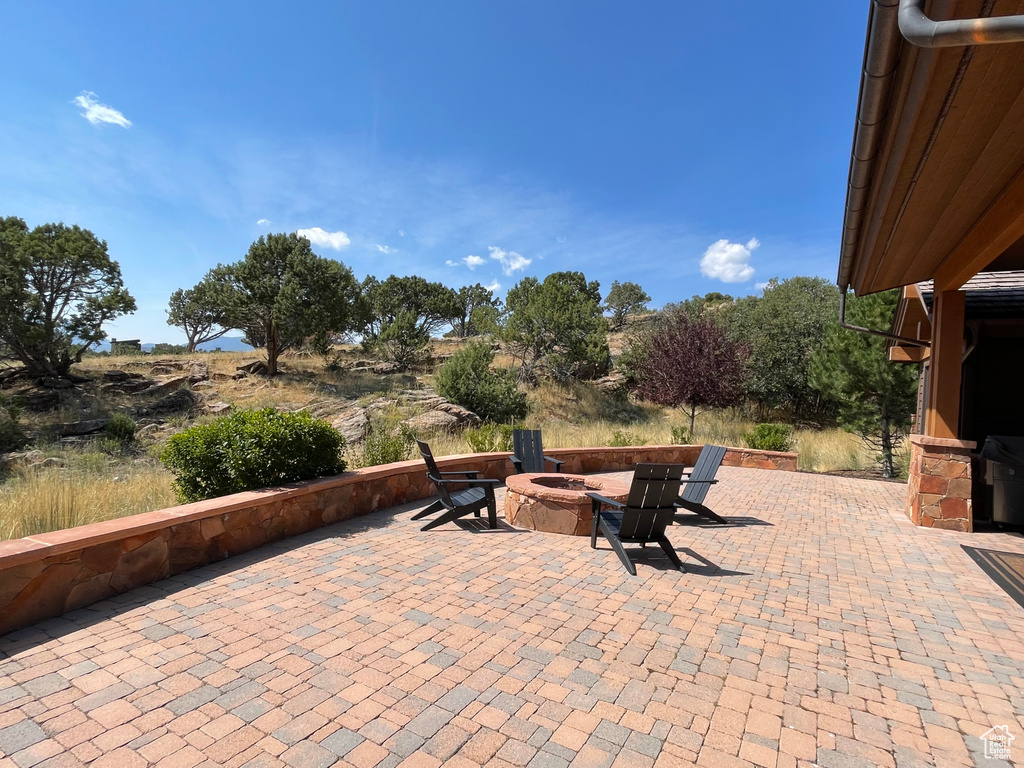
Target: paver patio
822,628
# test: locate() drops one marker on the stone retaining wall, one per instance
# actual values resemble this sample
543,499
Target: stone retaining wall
939,483
45,575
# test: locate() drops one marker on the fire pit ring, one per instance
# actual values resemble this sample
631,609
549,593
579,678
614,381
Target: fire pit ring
556,503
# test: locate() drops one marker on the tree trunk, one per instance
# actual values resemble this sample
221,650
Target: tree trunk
693,419
272,350
887,469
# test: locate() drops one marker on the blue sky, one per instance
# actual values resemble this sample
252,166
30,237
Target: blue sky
686,146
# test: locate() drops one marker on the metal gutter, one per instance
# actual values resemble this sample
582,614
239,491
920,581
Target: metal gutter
871,331
921,31
881,53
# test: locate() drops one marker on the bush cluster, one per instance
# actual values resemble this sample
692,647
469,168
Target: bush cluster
248,450
11,435
491,438
387,441
466,378
770,437
121,428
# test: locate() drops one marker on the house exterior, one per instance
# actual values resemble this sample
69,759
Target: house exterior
935,207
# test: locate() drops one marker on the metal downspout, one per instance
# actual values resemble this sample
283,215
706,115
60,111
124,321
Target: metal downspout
872,332
921,31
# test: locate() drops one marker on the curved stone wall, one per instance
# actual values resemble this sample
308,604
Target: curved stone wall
44,576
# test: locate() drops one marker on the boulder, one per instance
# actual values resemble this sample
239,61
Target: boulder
41,400
86,427
352,423
116,375
167,385
446,417
256,368
198,372
612,382
181,401
217,409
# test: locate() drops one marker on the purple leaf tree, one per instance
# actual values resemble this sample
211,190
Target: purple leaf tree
691,363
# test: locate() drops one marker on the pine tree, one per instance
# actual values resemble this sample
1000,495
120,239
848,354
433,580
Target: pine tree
876,397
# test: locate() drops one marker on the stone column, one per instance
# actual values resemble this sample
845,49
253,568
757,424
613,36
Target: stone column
939,492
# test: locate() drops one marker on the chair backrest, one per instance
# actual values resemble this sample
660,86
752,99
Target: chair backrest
529,449
649,508
706,468
433,473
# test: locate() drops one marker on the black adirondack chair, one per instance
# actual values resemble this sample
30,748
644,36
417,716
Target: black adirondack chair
457,503
528,452
644,516
699,482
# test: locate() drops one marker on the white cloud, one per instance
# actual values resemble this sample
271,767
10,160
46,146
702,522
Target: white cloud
384,248
97,113
510,260
470,261
401,233
263,223
495,286
337,241
729,262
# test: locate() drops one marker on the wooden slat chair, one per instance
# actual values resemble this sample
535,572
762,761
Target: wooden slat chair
528,452
644,516
457,503
699,481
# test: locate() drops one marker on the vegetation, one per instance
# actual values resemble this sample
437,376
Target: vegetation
402,313
11,435
121,428
782,328
201,312
876,397
556,327
467,379
478,311
58,287
689,361
249,450
491,438
625,299
387,441
770,437
282,294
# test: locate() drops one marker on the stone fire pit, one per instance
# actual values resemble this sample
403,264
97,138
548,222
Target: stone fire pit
556,503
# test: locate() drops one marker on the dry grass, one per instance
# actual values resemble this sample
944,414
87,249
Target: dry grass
37,500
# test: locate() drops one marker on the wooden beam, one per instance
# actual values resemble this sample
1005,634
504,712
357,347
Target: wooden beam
999,227
942,418
898,354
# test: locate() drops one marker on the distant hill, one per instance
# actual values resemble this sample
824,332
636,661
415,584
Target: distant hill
225,343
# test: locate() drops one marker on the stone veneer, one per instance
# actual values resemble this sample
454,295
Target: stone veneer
45,575
939,483
544,502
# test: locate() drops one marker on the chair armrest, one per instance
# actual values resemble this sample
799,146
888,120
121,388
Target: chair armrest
556,462
517,463
470,481
599,499
467,473
705,482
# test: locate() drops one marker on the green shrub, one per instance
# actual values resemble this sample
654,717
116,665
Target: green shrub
251,449
623,437
387,441
770,437
121,428
466,378
491,438
680,435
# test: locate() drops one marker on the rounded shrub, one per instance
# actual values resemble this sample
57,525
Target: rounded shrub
251,449
466,378
770,437
121,428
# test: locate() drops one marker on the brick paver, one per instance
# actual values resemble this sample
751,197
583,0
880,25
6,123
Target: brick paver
820,628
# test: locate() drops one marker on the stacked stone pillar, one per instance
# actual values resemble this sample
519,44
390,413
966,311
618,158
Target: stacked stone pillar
939,493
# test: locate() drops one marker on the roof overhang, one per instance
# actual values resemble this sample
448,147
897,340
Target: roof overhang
936,186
